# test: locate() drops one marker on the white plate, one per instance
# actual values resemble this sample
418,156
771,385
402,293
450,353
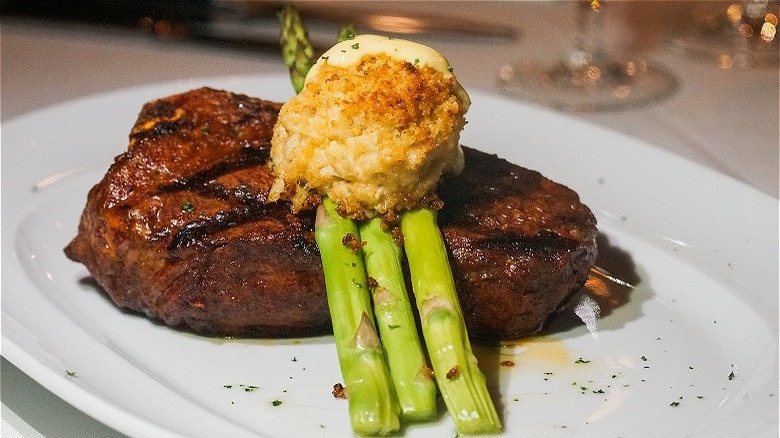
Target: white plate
691,352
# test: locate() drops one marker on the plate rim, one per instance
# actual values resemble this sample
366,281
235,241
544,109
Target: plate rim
128,423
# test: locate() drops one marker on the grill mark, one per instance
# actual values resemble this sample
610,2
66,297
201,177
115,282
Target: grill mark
157,129
198,232
546,242
244,158
249,205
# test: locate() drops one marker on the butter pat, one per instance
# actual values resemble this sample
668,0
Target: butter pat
349,52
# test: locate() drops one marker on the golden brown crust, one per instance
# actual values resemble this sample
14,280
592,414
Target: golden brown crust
374,137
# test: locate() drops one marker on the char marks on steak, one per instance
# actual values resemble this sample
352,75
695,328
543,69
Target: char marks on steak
179,229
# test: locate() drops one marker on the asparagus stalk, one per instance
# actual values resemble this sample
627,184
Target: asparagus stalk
297,50
358,346
397,327
460,381
373,405
347,32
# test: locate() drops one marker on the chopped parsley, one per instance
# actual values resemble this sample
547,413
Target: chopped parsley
355,46
276,402
581,360
187,207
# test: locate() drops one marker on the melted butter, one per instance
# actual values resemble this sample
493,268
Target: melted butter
544,349
350,52
530,356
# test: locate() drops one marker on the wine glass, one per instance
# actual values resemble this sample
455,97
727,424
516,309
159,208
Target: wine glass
588,79
737,35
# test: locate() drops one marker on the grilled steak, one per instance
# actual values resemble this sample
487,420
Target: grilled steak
179,229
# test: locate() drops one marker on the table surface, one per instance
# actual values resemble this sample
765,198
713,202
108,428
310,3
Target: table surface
723,118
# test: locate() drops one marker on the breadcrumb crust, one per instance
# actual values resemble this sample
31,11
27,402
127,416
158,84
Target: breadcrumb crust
375,137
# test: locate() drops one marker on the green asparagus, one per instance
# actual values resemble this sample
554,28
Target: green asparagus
373,398
397,327
346,32
460,381
373,405
297,50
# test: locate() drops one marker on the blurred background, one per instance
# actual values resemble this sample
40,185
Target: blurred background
711,95
697,78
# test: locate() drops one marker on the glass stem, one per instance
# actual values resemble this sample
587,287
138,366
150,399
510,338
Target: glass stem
586,45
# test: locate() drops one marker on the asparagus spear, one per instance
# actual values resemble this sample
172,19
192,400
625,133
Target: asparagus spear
397,327
347,32
373,405
297,50
460,381
443,326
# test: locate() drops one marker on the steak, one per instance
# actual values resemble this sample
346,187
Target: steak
180,230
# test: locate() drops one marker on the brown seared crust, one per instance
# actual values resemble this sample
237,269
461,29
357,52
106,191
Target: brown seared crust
179,229
520,245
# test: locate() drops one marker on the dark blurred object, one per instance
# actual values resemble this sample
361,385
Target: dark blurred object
114,12
242,24
170,20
